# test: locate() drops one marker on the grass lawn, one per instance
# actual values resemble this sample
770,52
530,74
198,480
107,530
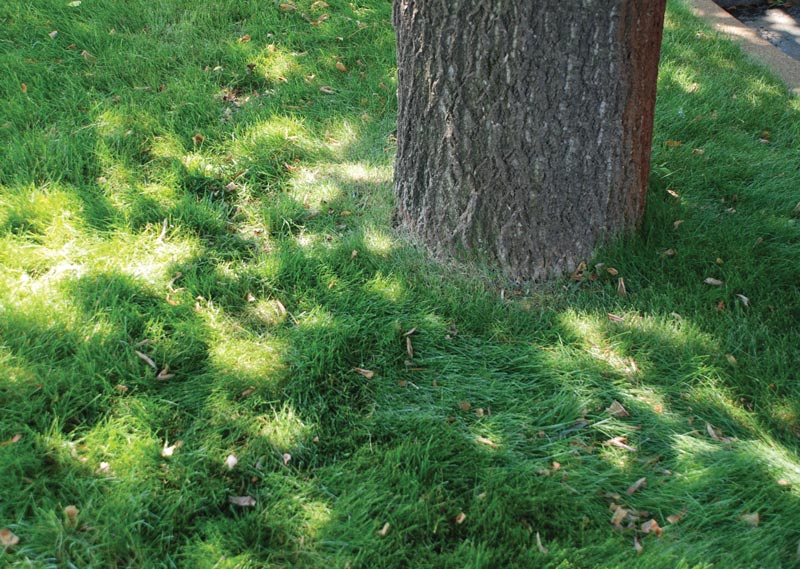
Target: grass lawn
215,351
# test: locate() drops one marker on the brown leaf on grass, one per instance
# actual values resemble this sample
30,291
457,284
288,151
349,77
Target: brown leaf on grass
169,450
246,392
341,67
287,7
713,282
485,441
327,90
146,359
409,347
621,287
319,5
245,38
616,409
243,501
7,538
673,193
71,516
637,545
751,519
783,482
88,57
287,458
121,388
322,18
15,439
615,318
409,332
712,432
23,87
542,549
698,151
198,138
368,373
385,529
460,518
677,223
675,518
612,271
619,514
651,526
164,374
673,143
464,405
642,482
731,359
620,442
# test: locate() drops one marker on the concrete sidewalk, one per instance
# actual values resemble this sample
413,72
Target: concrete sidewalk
785,67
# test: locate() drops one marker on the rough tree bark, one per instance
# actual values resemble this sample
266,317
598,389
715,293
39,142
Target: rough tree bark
524,126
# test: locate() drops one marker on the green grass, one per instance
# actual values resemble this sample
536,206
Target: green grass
258,262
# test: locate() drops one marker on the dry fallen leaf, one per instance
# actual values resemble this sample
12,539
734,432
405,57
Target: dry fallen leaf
244,501
24,88
326,89
74,4
146,359
168,451
636,485
53,34
164,374
542,548
287,7
198,138
731,359
341,67
287,458
247,392
245,38
651,526
637,545
744,299
713,282
409,347
464,405
485,441
617,410
385,529
751,519
677,223
615,318
71,515
368,373
620,442
619,514
675,518
231,461
7,538
621,287
15,439
460,518
698,151
104,468
783,482
673,143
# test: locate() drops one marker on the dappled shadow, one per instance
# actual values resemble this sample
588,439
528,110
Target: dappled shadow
275,278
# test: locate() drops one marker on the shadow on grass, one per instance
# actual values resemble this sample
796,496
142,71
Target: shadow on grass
498,410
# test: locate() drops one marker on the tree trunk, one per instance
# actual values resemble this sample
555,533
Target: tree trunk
524,126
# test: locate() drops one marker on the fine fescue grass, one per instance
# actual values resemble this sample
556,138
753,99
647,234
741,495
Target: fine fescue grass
202,298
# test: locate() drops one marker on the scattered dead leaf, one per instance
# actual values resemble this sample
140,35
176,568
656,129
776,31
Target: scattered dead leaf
615,318
368,373
384,530
485,441
243,501
620,442
287,458
464,405
327,90
121,388
673,193
146,359
287,7
247,392
675,518
698,151
7,538
641,483
612,271
460,518
341,67
637,545
409,347
751,519
693,88
731,359
619,514
744,299
71,515
319,5
617,410
74,4
231,461
245,38
198,138
621,291
673,143
53,34
713,282
169,450
164,374
542,549
676,224
15,439
651,526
